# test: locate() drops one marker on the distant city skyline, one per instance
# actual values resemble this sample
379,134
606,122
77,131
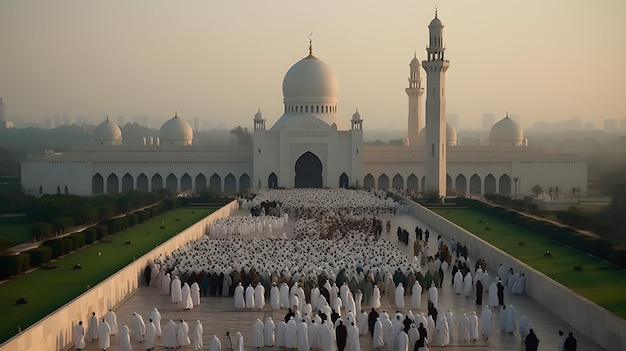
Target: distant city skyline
543,61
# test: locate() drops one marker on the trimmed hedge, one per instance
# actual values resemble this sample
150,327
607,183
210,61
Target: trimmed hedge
78,240
56,245
14,264
90,236
101,231
40,256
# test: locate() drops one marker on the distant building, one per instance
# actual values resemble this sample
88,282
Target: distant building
4,124
590,126
120,121
488,120
50,123
610,125
622,125
197,124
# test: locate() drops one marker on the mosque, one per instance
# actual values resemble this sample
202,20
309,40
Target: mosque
313,145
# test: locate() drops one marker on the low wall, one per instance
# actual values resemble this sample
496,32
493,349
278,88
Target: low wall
54,332
603,327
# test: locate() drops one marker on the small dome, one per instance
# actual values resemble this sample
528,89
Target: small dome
356,116
415,64
451,135
176,131
108,133
310,80
258,116
506,132
436,22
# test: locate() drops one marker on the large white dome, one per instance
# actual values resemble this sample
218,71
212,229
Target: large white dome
108,133
310,81
176,131
506,132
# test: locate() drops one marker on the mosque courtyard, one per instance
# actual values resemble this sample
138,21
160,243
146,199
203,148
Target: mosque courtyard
219,316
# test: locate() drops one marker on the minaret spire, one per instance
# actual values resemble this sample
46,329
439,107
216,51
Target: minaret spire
311,45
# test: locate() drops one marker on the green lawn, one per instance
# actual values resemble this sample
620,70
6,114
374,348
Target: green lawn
48,289
15,229
598,281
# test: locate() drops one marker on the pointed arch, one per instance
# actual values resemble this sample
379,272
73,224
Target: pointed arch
58,190
230,184
41,190
343,180
423,183
244,183
383,181
171,182
215,183
97,184
272,180
66,190
412,183
369,182
142,183
460,183
157,182
397,182
448,182
308,171
185,182
504,185
200,182
490,184
127,183
113,184
475,184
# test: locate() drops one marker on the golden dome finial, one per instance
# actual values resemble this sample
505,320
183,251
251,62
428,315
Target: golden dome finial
311,44
436,7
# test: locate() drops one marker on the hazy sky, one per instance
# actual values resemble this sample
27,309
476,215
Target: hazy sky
221,60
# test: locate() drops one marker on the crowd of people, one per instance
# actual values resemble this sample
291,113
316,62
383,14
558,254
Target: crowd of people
328,272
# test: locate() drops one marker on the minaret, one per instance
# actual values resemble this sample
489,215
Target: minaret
435,141
415,92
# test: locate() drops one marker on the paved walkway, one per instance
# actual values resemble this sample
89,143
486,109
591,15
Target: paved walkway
218,314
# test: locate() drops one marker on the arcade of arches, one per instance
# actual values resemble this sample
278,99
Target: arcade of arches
308,170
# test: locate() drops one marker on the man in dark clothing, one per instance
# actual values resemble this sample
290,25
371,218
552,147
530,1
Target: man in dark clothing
421,342
371,320
407,324
500,287
334,316
427,233
289,315
532,343
479,293
341,333
570,343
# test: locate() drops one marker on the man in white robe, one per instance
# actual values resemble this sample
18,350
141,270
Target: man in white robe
125,339
281,329
416,297
182,334
485,321
314,330
275,297
473,326
104,335
156,319
400,296
186,301
463,329
171,338
523,327
327,340
268,331
433,295
379,334
375,299
457,283
92,330
362,322
402,341
259,296
215,344
284,295
176,290
139,327
303,336
257,334
238,345
442,328
493,295
111,318
467,284
291,341
249,297
450,320
353,343
414,335
198,331
166,285
79,336
151,333
511,320
239,297
195,293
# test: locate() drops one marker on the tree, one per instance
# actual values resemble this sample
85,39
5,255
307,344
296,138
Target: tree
244,138
41,230
537,190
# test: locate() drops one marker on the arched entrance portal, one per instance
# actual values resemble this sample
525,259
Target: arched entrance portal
308,171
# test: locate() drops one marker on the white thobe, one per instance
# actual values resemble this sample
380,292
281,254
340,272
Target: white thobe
257,334
215,344
485,321
198,330
156,319
259,296
379,339
176,290
400,296
139,328
416,298
92,330
195,293
111,318
303,337
268,332
473,326
275,297
150,335
79,336
185,298
249,297
353,343
125,339
171,338
104,335
239,299
182,335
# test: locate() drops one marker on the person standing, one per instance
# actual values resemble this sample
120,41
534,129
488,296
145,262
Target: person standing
150,334
93,327
104,335
570,343
532,343
561,345
79,336
198,331
341,334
